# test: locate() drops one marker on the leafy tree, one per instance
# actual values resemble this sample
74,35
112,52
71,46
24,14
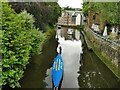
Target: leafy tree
55,12
20,39
108,11
44,12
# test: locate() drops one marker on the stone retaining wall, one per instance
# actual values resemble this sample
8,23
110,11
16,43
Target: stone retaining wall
106,48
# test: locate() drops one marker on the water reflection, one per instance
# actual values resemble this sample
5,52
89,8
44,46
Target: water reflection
71,51
71,57
91,73
48,78
77,34
90,78
94,73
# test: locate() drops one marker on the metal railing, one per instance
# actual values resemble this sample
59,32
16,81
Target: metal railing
112,42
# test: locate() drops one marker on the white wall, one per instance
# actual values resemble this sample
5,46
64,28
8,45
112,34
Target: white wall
78,18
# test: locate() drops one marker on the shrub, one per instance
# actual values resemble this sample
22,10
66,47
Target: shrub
20,39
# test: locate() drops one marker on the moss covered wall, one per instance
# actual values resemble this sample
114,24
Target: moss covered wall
106,50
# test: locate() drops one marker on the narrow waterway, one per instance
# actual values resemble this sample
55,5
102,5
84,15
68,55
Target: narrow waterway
83,69
93,72
36,71
71,53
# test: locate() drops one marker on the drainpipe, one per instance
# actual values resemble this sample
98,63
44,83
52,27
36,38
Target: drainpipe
81,19
68,19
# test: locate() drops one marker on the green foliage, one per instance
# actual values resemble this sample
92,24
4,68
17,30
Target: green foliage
108,11
55,12
49,33
0,15
85,8
19,40
44,12
37,41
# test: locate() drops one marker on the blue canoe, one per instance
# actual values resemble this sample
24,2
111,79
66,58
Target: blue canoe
57,70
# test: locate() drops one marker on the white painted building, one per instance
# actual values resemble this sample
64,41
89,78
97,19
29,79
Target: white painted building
78,19
71,18
78,16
